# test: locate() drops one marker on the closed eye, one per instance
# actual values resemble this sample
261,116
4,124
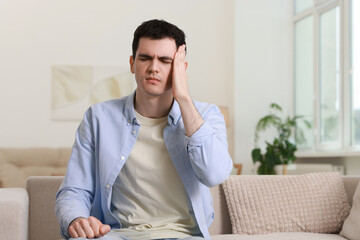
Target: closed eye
144,58
166,59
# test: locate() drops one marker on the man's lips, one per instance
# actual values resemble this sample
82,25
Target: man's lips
152,80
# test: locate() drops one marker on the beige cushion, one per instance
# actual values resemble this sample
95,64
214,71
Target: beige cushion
17,164
351,227
314,202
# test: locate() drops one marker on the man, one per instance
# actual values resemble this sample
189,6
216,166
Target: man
141,166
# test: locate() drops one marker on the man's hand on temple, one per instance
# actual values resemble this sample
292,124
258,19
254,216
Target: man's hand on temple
180,85
87,228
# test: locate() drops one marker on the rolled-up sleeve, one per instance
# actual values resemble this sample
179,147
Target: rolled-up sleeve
208,149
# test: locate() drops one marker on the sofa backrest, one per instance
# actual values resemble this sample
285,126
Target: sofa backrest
17,164
350,183
221,223
43,223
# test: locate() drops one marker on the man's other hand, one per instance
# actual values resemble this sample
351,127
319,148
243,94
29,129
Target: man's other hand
87,228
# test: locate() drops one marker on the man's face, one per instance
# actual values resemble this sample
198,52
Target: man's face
152,66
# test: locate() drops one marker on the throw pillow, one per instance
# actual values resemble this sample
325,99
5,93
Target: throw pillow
314,202
351,227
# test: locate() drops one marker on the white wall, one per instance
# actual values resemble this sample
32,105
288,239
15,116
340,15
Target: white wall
239,53
34,35
263,68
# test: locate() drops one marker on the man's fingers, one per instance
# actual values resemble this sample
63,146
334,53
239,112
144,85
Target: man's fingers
180,87
104,229
98,228
95,225
76,229
181,52
86,228
180,57
80,232
73,232
179,60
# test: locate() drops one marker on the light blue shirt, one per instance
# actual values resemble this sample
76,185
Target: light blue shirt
103,143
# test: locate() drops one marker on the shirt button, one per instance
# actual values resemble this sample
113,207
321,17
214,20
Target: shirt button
122,158
129,121
108,213
133,132
107,186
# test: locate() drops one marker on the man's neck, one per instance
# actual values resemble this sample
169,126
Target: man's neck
153,106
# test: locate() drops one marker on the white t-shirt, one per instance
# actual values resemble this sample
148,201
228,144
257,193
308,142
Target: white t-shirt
148,195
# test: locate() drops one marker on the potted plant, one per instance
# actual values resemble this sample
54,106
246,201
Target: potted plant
281,150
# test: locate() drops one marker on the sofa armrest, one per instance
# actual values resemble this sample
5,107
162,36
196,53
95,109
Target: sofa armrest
14,212
42,191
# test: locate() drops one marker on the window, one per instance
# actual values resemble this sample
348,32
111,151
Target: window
301,5
329,77
327,72
304,72
354,71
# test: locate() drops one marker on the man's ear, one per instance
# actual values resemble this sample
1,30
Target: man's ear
186,64
131,61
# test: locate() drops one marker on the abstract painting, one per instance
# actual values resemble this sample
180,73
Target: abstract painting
75,88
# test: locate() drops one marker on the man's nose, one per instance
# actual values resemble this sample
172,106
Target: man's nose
154,66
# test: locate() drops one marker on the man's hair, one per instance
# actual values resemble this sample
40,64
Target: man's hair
157,29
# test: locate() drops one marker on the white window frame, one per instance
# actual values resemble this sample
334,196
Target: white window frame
343,148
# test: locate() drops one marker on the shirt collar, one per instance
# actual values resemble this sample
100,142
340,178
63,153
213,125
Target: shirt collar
130,109
173,118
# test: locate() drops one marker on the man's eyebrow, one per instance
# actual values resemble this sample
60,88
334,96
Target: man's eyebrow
144,55
166,58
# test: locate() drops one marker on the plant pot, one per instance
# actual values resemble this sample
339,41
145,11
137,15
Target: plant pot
284,171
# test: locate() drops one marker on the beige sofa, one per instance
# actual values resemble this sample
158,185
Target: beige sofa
29,213
17,164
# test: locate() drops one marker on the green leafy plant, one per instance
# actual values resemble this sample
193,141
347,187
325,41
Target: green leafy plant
281,150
